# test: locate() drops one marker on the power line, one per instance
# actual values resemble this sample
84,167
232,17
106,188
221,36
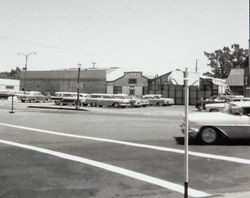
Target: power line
76,51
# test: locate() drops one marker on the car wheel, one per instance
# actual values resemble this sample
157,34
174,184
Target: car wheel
94,104
132,104
214,110
116,105
160,103
208,135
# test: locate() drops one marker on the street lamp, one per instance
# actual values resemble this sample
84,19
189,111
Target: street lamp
25,68
78,84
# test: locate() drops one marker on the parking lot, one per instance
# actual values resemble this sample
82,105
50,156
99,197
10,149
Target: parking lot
108,152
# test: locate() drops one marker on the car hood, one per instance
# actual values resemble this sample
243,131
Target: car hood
213,118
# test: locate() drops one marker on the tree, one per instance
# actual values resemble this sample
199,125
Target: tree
223,60
13,74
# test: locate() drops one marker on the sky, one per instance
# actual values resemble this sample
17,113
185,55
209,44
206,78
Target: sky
153,36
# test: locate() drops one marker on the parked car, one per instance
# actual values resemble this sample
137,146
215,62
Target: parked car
145,102
201,104
232,123
135,101
60,95
108,100
215,107
71,100
157,99
95,98
32,96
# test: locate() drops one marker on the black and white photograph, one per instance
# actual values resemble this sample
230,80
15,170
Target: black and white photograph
124,99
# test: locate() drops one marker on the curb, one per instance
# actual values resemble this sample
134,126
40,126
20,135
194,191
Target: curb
57,108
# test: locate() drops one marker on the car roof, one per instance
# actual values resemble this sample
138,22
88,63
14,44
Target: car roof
86,94
153,95
120,94
65,92
33,92
100,94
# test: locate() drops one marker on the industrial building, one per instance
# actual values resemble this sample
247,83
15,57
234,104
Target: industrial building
131,83
51,81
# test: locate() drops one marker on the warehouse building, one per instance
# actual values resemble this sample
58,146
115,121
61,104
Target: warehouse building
51,81
131,83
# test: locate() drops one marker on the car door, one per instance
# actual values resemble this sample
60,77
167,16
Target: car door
242,124
105,100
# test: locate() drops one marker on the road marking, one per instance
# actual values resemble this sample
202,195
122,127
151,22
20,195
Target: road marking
139,176
197,154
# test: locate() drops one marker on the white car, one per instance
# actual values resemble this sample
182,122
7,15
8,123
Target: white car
157,99
32,96
215,107
57,98
233,123
72,100
114,100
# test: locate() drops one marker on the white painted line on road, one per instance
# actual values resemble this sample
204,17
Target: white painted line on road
197,154
145,178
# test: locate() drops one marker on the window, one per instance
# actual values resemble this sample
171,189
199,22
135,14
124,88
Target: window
132,81
117,89
9,87
132,92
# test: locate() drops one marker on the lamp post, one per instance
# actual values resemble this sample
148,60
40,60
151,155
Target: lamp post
78,85
25,68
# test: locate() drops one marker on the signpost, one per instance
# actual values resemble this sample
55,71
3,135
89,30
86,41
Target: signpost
186,132
12,104
78,85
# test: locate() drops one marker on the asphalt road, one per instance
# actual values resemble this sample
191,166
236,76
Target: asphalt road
106,152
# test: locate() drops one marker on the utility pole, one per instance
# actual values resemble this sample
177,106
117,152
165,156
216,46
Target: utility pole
186,133
25,67
78,84
247,92
247,70
196,66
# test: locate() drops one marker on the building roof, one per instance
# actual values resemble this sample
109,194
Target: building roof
65,74
117,72
236,77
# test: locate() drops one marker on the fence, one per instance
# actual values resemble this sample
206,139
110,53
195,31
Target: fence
177,92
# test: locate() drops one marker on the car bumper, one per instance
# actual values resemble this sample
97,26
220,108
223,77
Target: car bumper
192,132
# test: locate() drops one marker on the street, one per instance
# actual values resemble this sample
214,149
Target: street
106,152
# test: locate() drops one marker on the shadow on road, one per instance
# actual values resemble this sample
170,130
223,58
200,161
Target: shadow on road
224,142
